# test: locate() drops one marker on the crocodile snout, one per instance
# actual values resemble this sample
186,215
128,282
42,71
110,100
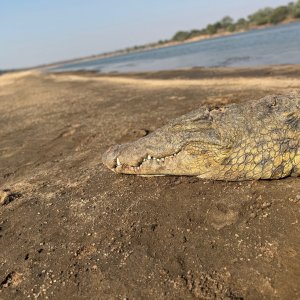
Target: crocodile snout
110,157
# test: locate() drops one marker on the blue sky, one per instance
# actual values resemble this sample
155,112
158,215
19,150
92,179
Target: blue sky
34,32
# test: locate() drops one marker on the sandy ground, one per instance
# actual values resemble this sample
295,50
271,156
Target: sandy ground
72,229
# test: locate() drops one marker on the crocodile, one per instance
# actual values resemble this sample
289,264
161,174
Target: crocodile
251,140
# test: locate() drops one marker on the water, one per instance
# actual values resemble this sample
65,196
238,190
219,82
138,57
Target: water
270,46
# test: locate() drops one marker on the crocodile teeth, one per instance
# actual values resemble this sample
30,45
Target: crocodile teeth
118,162
148,157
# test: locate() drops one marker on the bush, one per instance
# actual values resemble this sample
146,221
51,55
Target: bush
211,29
218,25
261,17
162,41
226,22
181,36
296,13
195,33
279,14
241,22
231,28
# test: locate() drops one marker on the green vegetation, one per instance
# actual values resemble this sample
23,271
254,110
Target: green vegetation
294,9
261,17
265,16
181,36
279,14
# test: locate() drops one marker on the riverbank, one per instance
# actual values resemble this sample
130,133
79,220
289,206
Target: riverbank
228,33
70,228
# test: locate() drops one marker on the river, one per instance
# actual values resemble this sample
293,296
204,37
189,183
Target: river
270,46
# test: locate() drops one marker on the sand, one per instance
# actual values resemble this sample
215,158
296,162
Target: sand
72,229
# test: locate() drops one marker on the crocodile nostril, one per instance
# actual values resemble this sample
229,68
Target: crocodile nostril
110,157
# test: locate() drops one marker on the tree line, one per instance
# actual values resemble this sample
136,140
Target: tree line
262,17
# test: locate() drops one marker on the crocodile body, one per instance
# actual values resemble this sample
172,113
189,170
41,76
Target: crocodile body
251,140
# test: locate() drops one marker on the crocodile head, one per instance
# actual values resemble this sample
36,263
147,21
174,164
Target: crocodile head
186,146
251,140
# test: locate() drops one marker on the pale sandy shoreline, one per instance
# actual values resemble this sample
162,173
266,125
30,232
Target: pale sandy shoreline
226,83
284,76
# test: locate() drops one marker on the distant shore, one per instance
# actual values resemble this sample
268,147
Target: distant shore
161,45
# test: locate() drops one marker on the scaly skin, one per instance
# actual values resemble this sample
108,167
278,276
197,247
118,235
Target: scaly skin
253,140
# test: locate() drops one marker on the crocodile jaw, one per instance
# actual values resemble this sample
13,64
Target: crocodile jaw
121,159
186,146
